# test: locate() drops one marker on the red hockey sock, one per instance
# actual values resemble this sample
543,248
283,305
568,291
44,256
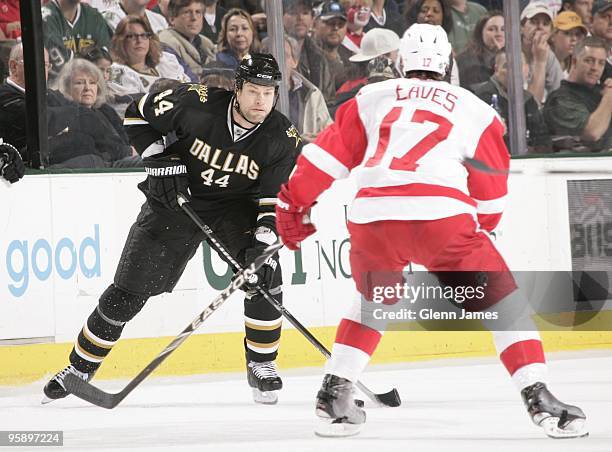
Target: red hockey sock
357,335
521,354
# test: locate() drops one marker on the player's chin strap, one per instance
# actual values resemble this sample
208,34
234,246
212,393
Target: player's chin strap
237,108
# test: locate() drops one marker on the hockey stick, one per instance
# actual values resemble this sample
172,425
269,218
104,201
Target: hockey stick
482,166
390,399
92,394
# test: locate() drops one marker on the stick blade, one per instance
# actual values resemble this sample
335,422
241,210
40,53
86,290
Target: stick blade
391,399
83,390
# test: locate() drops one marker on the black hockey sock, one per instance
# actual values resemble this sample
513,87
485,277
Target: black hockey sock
262,326
95,341
104,327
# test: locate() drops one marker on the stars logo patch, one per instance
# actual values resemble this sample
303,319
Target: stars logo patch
202,91
293,133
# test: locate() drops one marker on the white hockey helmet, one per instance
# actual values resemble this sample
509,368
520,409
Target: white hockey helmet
425,47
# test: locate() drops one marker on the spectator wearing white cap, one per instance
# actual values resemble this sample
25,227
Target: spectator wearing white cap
376,43
553,5
545,73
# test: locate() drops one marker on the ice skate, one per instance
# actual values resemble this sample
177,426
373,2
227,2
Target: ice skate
556,418
338,412
265,381
54,389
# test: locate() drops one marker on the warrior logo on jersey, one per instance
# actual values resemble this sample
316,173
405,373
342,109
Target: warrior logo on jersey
202,91
293,133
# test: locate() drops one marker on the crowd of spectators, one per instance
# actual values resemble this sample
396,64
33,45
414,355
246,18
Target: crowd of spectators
102,54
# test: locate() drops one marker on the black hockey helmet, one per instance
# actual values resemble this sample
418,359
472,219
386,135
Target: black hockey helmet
260,69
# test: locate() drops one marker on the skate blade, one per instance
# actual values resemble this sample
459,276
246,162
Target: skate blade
336,428
265,397
45,400
575,429
325,415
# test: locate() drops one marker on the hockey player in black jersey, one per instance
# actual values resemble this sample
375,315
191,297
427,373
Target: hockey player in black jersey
231,151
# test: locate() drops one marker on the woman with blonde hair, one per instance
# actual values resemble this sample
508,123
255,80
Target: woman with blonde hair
139,59
81,81
237,38
95,137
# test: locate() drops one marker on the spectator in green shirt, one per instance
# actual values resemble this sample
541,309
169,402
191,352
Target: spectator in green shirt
465,17
578,113
70,26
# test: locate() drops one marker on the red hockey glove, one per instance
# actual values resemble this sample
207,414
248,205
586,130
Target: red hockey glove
292,222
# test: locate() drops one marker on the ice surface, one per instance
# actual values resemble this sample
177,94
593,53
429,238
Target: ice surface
454,405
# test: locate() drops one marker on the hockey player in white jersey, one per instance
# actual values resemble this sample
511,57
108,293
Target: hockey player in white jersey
407,140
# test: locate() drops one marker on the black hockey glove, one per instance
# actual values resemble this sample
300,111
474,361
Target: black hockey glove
167,177
269,274
11,166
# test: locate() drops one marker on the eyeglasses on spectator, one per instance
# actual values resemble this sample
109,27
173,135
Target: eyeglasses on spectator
142,36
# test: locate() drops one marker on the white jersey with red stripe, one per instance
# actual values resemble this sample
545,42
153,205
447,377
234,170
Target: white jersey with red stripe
406,141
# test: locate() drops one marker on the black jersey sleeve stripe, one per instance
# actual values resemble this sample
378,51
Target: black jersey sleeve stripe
267,201
134,121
